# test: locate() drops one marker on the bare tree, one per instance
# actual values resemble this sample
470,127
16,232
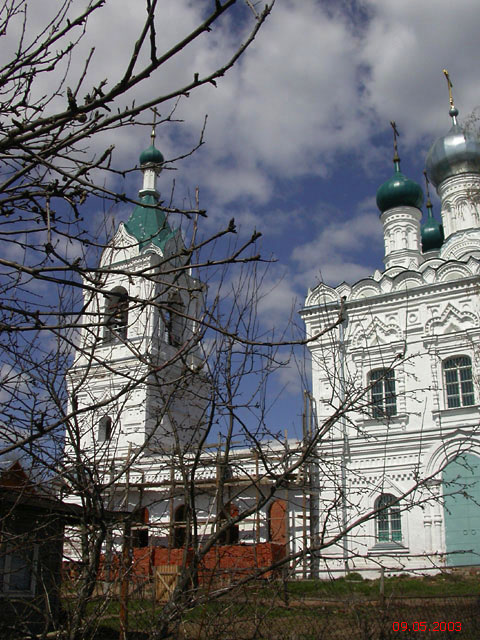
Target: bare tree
50,175
136,372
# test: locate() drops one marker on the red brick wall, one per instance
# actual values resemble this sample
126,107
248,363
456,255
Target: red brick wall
233,562
223,562
170,556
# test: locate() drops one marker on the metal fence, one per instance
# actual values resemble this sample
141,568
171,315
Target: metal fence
309,619
347,608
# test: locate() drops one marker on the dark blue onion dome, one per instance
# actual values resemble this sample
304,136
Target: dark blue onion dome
431,232
453,154
151,156
399,191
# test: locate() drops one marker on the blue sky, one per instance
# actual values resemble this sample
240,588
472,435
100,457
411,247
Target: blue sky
298,137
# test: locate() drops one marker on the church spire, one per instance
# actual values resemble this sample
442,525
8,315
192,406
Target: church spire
396,158
453,167
148,222
151,161
399,200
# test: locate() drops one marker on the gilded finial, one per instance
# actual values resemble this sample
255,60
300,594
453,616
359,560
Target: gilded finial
396,158
450,85
154,124
453,110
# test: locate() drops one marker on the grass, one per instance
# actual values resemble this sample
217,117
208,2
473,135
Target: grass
444,584
344,608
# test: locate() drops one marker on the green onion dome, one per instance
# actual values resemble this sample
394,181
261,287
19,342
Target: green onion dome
431,232
399,191
151,156
453,154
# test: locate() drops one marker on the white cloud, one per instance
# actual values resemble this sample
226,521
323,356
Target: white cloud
315,87
278,301
406,47
13,384
294,103
286,110
338,252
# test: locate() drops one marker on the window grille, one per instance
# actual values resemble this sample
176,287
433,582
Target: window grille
458,382
383,397
388,520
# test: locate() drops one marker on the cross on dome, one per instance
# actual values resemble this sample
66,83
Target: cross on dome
398,190
454,153
453,110
151,155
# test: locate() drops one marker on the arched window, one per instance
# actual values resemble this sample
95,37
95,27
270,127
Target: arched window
104,429
231,534
174,320
383,398
180,526
116,314
457,372
388,521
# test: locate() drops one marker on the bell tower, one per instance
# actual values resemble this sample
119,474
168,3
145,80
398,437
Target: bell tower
136,383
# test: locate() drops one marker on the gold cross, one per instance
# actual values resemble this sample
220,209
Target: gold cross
154,124
450,85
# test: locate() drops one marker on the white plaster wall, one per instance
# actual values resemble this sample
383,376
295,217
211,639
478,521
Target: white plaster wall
411,324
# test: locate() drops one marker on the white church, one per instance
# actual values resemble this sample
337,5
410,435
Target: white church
410,449
392,481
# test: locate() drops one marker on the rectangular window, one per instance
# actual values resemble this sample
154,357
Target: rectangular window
383,397
17,568
458,382
104,429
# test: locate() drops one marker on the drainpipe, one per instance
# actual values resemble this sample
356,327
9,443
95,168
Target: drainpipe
313,473
343,424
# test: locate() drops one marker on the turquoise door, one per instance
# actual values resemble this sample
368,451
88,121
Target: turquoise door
461,487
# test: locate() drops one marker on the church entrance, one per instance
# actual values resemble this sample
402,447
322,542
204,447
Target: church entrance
461,487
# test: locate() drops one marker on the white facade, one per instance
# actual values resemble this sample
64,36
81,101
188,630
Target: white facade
403,364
